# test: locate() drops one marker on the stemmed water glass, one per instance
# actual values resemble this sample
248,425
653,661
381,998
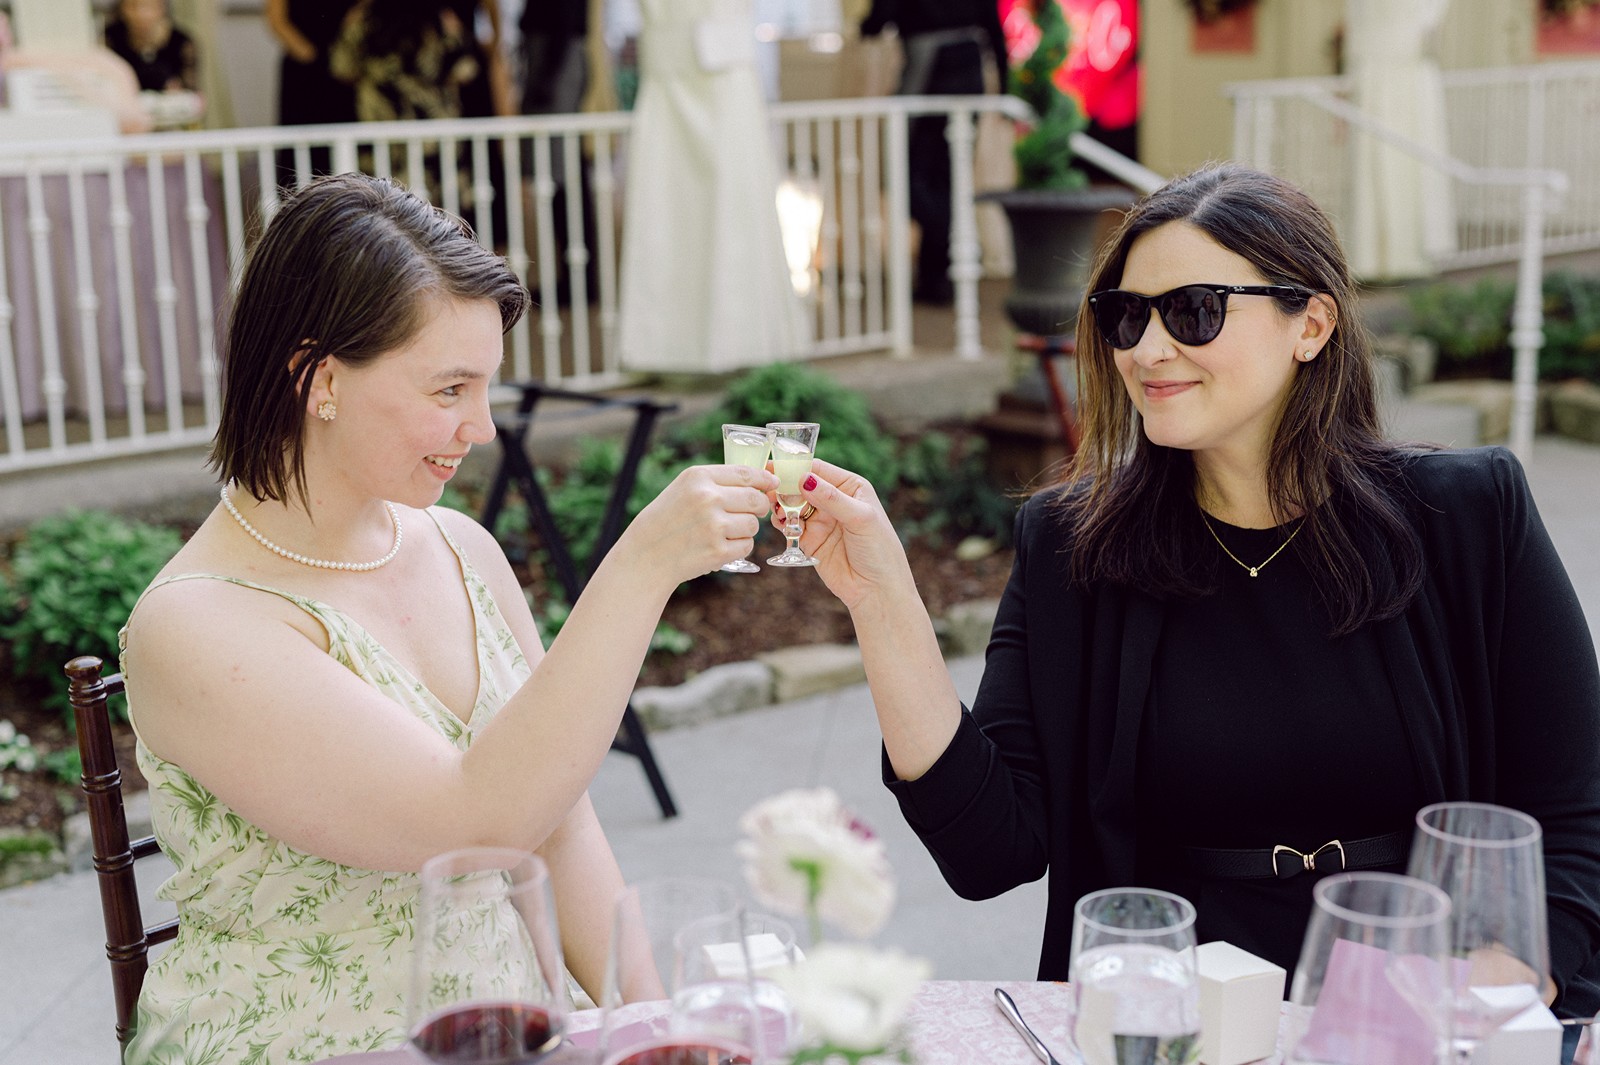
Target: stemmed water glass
1372,985
745,445
488,983
643,957
1490,861
794,445
1135,988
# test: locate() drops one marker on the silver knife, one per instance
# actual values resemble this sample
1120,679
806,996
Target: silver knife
1009,1008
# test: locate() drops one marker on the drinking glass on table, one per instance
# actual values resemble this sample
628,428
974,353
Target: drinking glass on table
745,445
794,445
643,956
488,983
1372,986
1135,988
727,964
1490,861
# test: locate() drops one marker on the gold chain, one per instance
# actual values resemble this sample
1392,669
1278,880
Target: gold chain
1256,569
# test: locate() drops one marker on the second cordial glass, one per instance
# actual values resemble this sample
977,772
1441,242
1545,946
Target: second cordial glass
794,445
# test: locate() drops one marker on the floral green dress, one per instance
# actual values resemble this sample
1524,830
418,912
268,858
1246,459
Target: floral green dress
282,956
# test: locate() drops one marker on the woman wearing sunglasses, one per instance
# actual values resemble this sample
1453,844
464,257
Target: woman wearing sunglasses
1246,638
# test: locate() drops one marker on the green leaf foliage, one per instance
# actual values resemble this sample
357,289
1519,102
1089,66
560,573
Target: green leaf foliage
1471,326
792,392
73,581
1044,153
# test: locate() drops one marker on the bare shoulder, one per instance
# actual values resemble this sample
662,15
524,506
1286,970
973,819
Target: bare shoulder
478,543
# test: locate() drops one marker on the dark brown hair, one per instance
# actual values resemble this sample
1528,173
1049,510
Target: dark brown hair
344,268
1133,503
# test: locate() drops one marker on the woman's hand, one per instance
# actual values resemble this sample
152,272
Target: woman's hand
707,516
857,550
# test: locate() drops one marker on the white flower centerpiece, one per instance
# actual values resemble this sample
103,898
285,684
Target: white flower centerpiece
807,855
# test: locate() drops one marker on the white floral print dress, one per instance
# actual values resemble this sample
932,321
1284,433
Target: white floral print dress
282,956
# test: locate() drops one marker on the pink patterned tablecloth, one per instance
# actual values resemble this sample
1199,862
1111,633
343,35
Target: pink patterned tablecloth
953,1022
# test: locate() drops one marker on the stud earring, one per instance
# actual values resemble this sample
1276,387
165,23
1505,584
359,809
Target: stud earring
327,411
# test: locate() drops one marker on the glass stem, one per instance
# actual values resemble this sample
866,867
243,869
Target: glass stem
792,528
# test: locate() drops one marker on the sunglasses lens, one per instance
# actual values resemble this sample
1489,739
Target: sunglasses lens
1193,314
1121,317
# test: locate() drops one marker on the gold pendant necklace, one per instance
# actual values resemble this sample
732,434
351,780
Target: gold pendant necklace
1256,569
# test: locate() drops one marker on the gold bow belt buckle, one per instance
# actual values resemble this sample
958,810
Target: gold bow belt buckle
1288,862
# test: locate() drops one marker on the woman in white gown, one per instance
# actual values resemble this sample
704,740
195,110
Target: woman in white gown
705,286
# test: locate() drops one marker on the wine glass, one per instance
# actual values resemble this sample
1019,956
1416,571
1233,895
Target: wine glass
745,445
728,963
646,919
1135,988
794,445
1372,985
1490,861
488,984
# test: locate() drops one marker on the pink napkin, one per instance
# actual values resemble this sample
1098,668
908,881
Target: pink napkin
1360,1016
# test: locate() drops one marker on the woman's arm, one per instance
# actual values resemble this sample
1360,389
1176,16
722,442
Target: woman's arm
299,47
584,874
245,698
861,560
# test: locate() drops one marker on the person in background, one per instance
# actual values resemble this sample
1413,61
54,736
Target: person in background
490,92
1246,624
308,93
944,42
162,56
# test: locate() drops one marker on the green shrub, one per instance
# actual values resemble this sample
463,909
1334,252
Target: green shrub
1571,328
1471,326
791,392
578,496
73,582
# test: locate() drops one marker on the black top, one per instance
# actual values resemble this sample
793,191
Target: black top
911,17
1490,671
1255,660
173,65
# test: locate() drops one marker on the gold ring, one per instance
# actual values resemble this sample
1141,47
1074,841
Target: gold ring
806,511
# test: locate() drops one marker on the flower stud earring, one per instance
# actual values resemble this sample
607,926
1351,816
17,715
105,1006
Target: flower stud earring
327,411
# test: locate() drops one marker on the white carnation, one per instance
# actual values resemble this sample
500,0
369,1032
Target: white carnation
853,997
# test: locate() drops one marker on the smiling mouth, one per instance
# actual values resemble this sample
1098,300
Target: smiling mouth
447,463
1157,389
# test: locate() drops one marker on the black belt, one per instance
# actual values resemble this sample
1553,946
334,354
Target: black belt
1334,856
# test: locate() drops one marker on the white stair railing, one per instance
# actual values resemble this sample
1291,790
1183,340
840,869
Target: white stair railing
1260,136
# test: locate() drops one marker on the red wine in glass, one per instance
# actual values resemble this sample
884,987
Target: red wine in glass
487,1033
685,1050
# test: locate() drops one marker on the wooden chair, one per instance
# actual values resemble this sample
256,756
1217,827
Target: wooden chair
128,941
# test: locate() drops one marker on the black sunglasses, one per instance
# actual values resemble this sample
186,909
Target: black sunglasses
1193,314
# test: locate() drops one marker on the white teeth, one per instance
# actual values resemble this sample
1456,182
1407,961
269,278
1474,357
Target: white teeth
448,464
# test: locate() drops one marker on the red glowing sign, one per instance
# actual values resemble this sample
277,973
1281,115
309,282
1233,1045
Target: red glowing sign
1102,68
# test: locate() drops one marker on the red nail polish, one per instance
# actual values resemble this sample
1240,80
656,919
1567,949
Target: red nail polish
810,482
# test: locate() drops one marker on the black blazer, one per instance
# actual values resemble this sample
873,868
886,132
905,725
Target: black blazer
1493,666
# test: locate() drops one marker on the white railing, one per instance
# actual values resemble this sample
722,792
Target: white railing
117,255
1540,117
1509,206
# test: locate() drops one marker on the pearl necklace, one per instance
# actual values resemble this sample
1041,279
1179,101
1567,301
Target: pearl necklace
318,563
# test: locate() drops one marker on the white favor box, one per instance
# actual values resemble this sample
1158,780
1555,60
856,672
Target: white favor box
1532,1037
1240,999
766,952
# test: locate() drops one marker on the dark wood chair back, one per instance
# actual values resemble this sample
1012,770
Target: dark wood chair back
128,941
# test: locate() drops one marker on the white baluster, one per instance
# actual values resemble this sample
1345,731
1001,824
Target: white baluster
872,226
964,266
850,216
517,250
166,294
198,214
133,373
577,263
51,382
93,399
544,191
605,224
10,389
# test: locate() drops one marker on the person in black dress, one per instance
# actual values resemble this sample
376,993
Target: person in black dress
1243,620
944,43
162,56
308,93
